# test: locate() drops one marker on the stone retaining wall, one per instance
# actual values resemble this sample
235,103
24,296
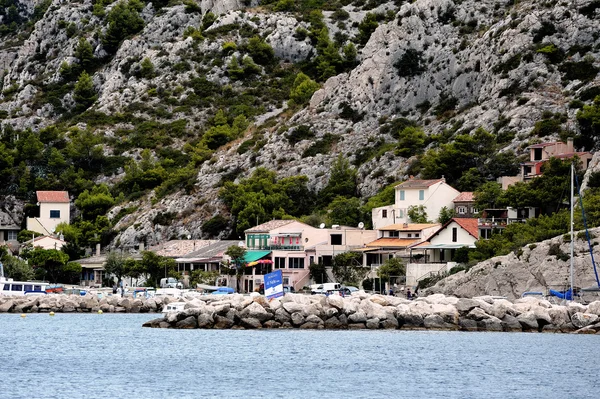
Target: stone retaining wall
364,311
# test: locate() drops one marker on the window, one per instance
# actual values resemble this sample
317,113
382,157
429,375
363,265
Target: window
409,235
296,263
400,213
384,213
421,195
6,287
461,210
17,287
401,195
454,234
11,235
474,210
336,239
279,263
28,287
394,234
416,235
537,154
54,214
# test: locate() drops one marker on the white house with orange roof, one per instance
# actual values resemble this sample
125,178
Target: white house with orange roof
433,195
395,241
437,253
54,208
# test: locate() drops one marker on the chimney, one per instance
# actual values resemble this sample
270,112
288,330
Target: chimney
443,179
98,249
570,144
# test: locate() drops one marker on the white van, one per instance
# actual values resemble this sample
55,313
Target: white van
324,288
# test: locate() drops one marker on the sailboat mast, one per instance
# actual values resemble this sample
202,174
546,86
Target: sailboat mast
572,237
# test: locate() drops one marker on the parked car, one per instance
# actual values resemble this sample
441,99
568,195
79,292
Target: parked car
352,289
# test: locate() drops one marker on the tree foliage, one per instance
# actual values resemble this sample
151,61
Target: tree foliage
262,197
347,268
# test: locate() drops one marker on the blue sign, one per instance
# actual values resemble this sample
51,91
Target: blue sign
274,284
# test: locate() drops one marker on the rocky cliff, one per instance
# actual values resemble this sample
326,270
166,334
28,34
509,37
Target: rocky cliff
449,66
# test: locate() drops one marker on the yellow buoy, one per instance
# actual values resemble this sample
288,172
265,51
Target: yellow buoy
51,313
100,311
23,315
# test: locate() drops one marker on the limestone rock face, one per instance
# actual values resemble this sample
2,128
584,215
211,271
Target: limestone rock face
532,270
479,59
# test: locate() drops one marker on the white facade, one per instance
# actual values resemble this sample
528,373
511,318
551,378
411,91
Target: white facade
54,209
431,194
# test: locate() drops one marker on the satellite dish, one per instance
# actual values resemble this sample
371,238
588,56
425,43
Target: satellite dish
322,226
361,225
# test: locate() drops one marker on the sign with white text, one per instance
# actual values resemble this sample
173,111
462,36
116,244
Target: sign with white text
274,284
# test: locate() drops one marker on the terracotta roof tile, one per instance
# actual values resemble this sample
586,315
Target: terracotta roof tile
467,196
52,196
469,224
387,242
268,226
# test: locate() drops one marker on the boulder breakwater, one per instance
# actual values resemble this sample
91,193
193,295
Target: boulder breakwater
359,311
364,311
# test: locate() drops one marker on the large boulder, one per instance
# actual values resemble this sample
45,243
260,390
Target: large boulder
7,306
511,323
465,305
205,320
256,311
581,320
250,322
187,323
292,307
528,321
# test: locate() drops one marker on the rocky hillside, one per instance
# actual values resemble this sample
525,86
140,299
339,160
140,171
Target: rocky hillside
536,267
447,66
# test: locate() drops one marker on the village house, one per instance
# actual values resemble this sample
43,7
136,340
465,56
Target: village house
437,254
54,208
395,241
464,205
292,246
433,195
542,152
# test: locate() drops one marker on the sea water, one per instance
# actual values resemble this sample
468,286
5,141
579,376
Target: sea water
112,356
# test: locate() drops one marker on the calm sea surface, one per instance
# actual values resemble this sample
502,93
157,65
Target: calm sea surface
112,356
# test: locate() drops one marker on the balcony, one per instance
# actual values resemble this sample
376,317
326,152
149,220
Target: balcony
278,247
498,223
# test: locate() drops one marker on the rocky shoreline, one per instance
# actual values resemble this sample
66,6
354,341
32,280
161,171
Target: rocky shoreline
364,311
360,311
61,303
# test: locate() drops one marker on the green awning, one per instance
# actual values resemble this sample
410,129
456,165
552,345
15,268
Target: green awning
251,256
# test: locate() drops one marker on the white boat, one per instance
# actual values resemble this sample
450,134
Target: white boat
173,307
8,286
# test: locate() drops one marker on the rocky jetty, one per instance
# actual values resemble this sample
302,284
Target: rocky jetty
364,311
59,303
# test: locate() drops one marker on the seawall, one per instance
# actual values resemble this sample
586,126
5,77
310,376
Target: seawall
364,311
